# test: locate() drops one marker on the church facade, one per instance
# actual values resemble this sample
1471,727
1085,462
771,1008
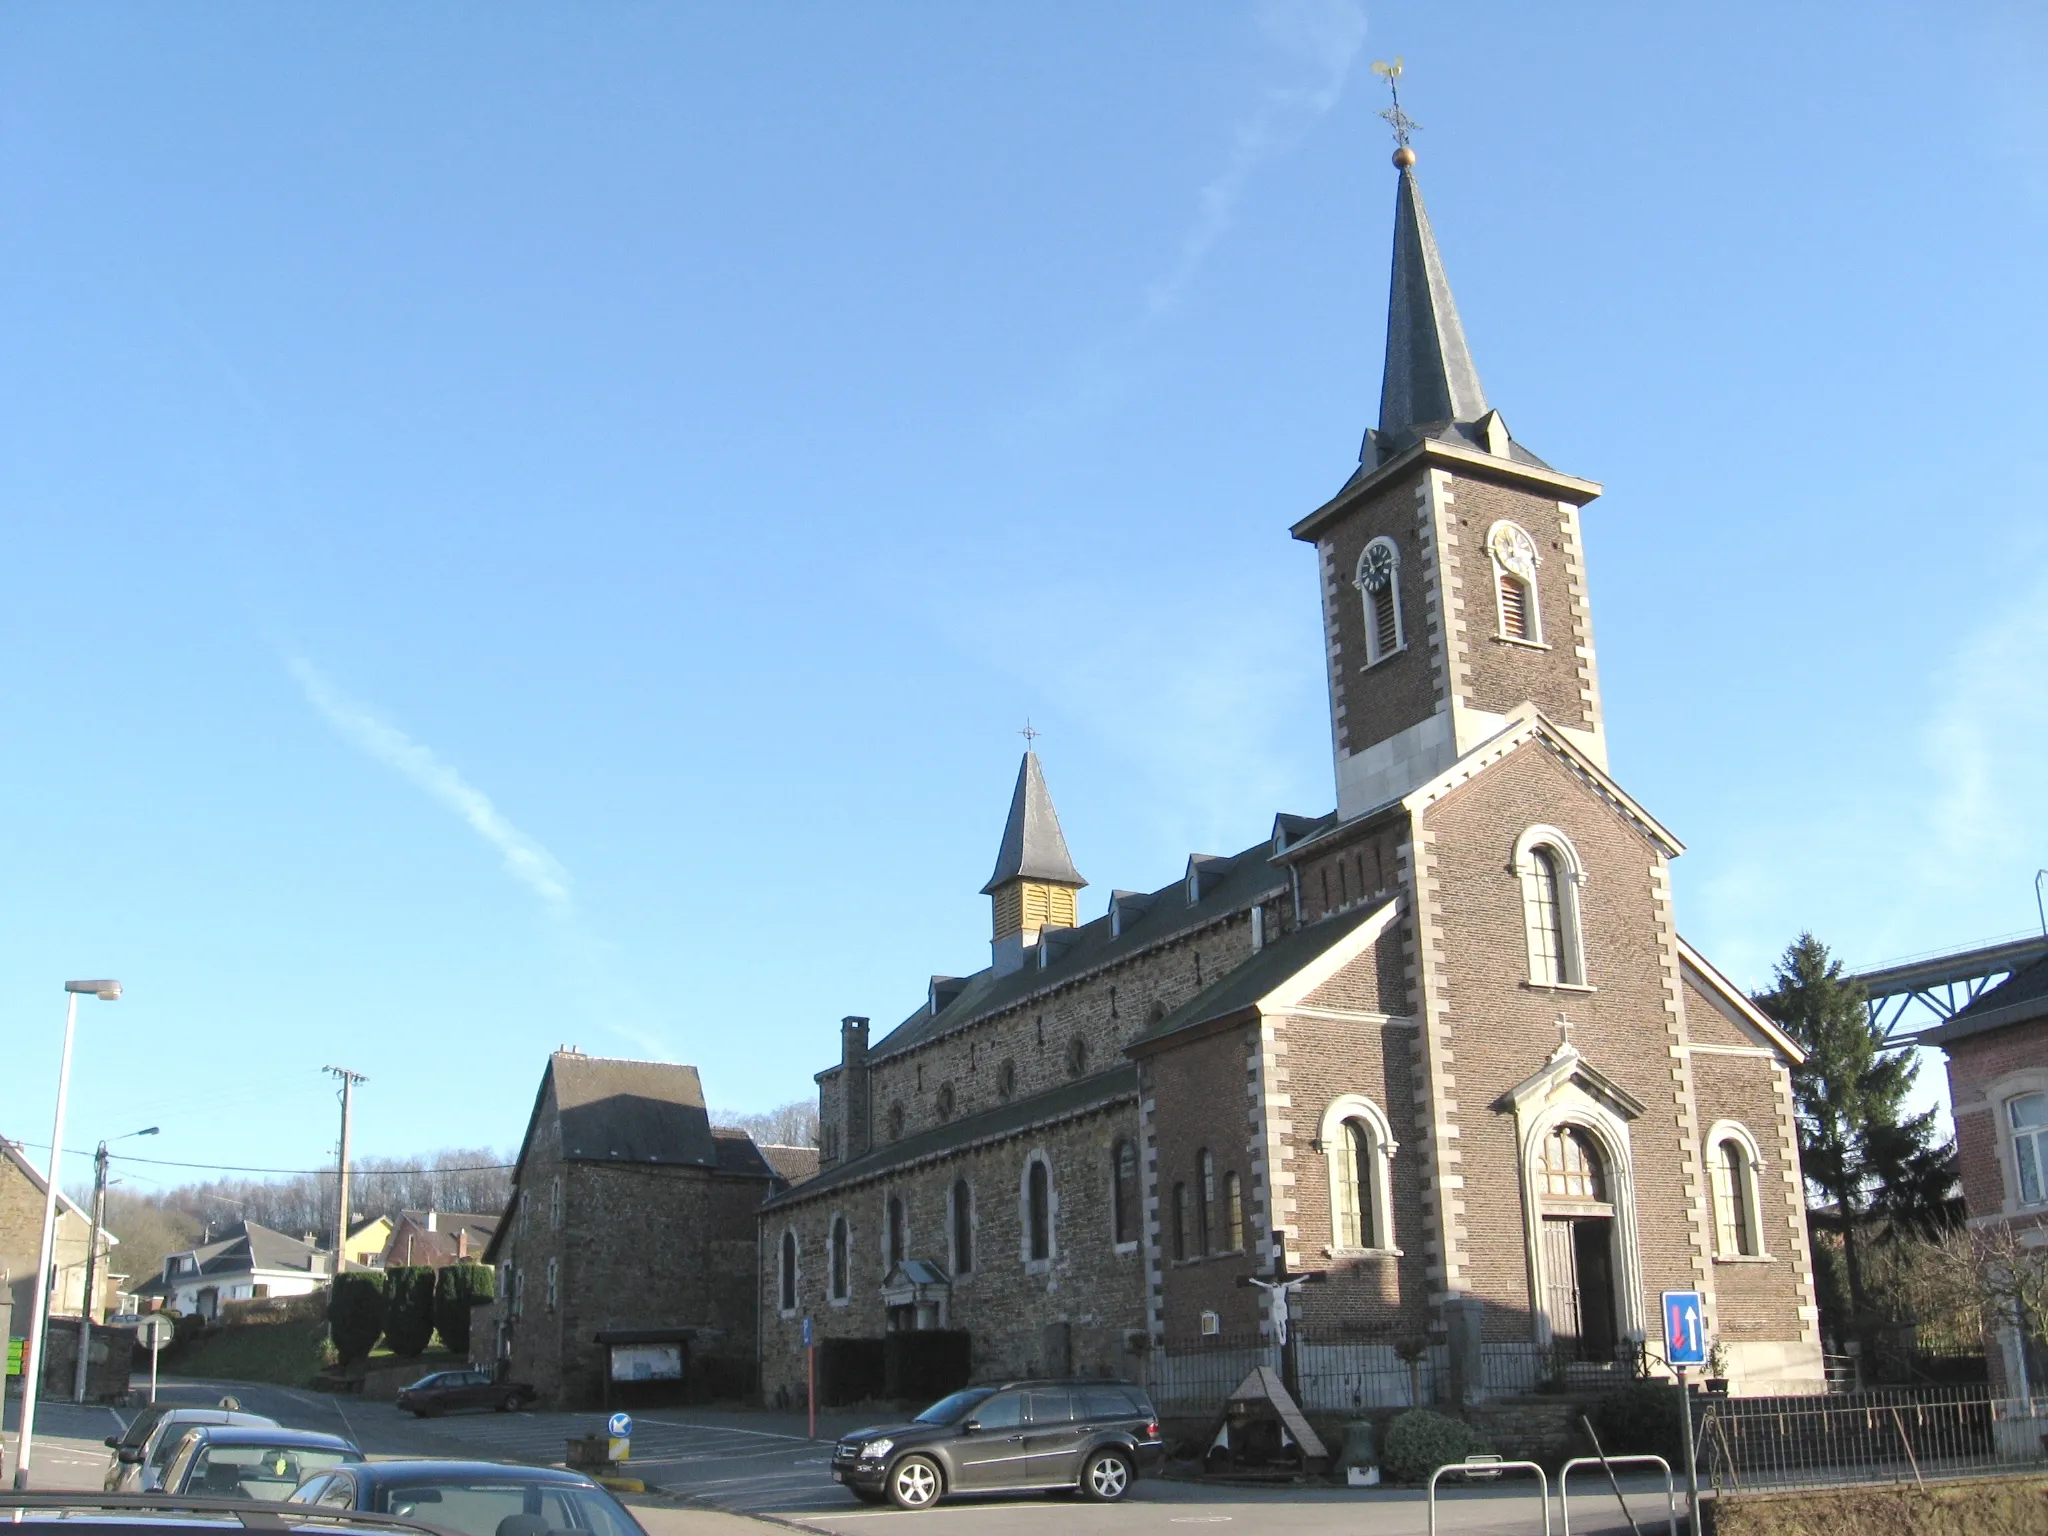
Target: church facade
1443,1047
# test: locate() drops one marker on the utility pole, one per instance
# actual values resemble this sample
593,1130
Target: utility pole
92,1253
348,1082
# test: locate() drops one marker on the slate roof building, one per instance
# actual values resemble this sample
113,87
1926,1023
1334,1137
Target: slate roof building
248,1262
437,1238
22,1192
626,1256
1443,1044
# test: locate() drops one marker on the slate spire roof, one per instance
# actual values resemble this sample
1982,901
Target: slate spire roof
1033,846
1430,376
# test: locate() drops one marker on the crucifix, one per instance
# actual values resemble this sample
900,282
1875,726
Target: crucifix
1281,1286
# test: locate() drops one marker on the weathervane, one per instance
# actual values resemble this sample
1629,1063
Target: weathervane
1029,734
1399,121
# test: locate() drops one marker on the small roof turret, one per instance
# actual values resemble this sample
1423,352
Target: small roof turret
1033,848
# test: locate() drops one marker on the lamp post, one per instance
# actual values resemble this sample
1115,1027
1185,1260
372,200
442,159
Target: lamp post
92,1253
32,1362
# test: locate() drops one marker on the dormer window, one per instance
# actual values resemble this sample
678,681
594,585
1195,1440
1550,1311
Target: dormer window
1515,559
1379,583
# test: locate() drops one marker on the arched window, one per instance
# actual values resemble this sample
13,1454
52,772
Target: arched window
896,1239
2028,1117
1180,1221
1572,1167
1358,1145
963,1228
789,1271
1038,1211
1205,1199
839,1284
1233,1214
1551,875
555,1204
1123,1192
1732,1160
1379,583
1515,560
554,1283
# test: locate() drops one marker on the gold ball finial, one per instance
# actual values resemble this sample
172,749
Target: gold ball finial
1404,157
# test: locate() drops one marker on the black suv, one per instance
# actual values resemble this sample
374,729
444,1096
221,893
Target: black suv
1092,1435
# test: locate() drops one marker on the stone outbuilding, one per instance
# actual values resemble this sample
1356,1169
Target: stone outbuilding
625,1258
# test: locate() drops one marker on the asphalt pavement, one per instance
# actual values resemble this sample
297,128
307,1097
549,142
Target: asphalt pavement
705,1467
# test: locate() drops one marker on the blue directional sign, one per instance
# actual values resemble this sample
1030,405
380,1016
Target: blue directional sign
807,1333
1685,1340
621,1425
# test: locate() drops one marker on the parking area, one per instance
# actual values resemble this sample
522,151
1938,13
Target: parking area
763,1466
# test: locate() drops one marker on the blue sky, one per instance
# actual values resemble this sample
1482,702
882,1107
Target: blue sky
537,524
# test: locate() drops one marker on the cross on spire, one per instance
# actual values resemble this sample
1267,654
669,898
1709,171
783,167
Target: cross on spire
1564,1030
1030,736
1402,124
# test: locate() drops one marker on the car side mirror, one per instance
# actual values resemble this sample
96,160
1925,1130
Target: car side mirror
112,1442
131,1454
971,1427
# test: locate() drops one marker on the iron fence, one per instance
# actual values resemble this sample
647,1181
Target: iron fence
1881,1435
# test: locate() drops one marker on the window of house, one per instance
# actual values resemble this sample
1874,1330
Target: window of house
1550,873
1205,1199
1734,1211
2028,1116
1358,1146
1180,1221
1233,1213
1379,583
1515,560
1123,1194
789,1271
963,1228
518,1293
896,1239
1354,1182
1038,1203
554,1284
555,1204
839,1258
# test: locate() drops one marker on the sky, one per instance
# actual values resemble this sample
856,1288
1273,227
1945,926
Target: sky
531,525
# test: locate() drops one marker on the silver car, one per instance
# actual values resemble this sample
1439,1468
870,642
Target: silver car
139,1468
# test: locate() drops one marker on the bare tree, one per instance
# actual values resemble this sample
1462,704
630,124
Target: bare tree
794,1124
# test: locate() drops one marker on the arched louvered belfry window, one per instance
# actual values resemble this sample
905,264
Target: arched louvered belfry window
1379,584
1515,558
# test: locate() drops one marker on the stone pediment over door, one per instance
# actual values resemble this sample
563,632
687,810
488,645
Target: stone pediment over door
1568,1090
917,1293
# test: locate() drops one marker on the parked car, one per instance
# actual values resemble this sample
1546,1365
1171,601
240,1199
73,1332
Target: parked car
463,1389
135,1469
66,1512
1092,1435
236,1461
472,1498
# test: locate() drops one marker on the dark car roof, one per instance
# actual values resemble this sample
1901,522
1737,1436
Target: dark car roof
402,1471
216,1416
256,1434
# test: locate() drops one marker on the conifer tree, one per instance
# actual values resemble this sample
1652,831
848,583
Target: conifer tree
1856,1143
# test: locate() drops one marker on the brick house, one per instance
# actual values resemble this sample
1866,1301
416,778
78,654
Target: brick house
1997,1053
22,1192
1443,1044
439,1238
625,1257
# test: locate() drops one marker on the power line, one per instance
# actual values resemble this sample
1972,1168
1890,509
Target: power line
159,1162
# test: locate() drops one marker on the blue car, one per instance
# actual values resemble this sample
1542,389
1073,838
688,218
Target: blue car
474,1498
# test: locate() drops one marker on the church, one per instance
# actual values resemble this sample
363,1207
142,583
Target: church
1442,1049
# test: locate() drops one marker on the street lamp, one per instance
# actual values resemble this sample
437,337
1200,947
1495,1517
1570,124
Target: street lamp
92,1253
32,1366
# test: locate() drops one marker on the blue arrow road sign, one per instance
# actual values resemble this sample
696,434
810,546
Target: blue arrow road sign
621,1425
807,1333
1685,1340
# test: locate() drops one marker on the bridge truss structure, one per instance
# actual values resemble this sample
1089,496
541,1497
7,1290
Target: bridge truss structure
1913,995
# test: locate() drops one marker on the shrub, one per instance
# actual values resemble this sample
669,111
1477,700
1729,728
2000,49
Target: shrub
355,1314
1418,1442
458,1288
409,1308
1640,1417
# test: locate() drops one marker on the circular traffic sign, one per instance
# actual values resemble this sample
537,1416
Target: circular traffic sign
155,1332
621,1425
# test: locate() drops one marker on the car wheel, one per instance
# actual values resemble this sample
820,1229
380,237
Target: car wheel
915,1483
512,1404
1106,1477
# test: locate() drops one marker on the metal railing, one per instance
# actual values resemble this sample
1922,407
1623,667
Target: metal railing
1880,1436
1485,1469
1608,1464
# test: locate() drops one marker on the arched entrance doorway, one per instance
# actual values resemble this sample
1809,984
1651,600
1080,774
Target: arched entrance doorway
1578,1239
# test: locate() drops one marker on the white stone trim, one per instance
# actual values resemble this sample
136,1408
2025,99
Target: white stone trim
1333,1144
1735,1004
1373,654
1497,568
1572,879
1593,737
1752,1205
1038,1157
793,1244
1998,1093
1568,1103
838,1279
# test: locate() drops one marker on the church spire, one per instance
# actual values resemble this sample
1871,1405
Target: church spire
1430,379
1035,880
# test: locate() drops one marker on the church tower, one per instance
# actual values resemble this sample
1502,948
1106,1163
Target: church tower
1453,577
1035,885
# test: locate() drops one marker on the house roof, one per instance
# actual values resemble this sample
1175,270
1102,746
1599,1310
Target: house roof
612,1110
998,1124
35,1177
737,1153
795,1164
2021,998
1732,997
1228,884
246,1247
1033,846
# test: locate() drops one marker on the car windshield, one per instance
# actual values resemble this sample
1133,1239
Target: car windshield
951,1410
505,1507
267,1472
145,1421
167,1446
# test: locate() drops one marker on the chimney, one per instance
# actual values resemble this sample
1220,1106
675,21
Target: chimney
854,1108
430,1222
462,1243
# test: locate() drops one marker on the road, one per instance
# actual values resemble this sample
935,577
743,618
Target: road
710,1466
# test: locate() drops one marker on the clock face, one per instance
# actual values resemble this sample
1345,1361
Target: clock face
1376,567
1514,549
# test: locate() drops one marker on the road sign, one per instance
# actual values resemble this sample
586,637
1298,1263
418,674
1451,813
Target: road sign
621,1425
155,1332
807,1333
1685,1340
